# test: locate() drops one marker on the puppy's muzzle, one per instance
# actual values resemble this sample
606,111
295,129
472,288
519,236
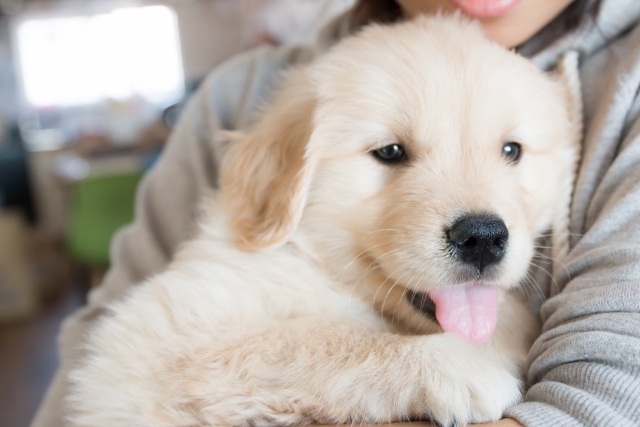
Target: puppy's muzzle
478,240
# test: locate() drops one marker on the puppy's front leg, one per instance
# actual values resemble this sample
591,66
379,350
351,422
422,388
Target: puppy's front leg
337,371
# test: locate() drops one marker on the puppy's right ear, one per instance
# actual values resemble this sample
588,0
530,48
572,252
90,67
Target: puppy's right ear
266,173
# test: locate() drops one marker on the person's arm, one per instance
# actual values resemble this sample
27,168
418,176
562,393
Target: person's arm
165,208
167,199
585,367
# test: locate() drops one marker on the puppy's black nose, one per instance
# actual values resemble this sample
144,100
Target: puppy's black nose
478,240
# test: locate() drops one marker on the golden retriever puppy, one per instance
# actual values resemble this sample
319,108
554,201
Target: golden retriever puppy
359,261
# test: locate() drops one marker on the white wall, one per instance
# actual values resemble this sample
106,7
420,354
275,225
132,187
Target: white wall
213,30
208,34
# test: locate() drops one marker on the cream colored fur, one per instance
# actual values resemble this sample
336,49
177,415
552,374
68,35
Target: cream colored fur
289,307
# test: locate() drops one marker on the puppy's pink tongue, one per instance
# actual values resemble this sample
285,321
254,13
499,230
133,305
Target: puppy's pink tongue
470,311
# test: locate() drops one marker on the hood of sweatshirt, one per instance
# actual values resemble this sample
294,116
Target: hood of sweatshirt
615,17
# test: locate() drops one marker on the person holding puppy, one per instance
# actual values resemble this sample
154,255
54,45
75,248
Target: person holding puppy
585,367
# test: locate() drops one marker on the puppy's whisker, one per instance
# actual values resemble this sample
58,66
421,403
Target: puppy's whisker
364,251
568,234
379,231
530,281
415,312
566,269
355,259
404,292
537,287
547,273
375,296
363,276
524,285
384,302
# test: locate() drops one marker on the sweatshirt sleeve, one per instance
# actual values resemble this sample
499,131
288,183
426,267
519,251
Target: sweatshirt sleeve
584,370
168,197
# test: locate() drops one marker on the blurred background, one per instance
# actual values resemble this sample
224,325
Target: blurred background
89,92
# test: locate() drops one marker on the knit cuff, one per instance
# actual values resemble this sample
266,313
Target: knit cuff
537,414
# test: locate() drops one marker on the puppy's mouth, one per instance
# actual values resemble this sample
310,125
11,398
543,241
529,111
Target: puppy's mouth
422,303
470,311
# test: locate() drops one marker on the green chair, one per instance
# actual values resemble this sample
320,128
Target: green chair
101,205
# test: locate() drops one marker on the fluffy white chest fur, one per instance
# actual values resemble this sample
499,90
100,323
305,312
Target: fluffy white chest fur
411,166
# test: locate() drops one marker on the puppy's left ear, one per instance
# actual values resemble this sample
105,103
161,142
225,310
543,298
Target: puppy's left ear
266,173
567,74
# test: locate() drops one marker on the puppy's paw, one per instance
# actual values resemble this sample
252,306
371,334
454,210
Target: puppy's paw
463,385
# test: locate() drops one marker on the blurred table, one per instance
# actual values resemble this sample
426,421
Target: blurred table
55,167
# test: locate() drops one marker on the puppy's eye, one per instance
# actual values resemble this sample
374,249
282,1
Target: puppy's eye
511,151
390,154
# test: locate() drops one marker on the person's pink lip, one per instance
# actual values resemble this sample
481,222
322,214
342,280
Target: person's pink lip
485,8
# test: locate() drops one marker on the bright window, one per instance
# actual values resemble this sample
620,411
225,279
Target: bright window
83,60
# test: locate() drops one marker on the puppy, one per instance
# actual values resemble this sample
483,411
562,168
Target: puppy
358,264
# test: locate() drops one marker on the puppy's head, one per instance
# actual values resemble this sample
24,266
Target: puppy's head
413,158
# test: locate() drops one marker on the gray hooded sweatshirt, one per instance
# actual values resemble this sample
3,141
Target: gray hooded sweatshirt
585,367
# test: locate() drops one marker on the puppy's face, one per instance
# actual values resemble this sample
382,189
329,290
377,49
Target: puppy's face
434,158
